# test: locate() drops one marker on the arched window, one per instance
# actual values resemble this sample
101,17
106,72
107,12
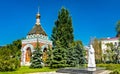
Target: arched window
28,54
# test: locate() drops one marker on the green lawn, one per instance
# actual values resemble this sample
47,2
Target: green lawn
26,69
112,67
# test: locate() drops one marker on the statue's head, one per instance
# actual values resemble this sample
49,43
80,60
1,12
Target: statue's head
91,48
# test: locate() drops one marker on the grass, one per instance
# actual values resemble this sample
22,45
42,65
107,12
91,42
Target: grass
109,66
26,69
112,67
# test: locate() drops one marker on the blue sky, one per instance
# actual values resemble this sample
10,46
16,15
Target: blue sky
91,18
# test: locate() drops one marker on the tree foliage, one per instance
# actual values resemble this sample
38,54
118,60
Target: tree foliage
110,53
59,57
10,56
80,53
36,59
98,51
62,37
118,29
76,54
49,57
63,30
117,55
71,57
65,51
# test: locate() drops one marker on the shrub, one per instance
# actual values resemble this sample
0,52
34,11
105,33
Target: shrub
9,56
9,65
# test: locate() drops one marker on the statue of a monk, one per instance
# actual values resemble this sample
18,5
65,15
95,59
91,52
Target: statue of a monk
91,57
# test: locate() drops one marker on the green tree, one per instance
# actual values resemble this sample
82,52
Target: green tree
98,51
7,61
110,52
49,56
17,43
15,48
36,59
80,53
104,58
118,29
63,30
75,54
117,55
59,57
62,37
64,54
71,57
10,56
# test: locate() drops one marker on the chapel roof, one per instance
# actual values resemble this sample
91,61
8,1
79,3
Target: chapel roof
37,29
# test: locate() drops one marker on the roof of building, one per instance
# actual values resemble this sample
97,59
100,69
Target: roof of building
37,29
114,38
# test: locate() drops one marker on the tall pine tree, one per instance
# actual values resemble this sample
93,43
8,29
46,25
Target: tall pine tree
63,30
64,54
62,37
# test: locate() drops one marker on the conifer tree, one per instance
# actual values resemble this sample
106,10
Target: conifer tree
62,37
59,57
80,54
71,57
36,59
63,30
76,54
49,57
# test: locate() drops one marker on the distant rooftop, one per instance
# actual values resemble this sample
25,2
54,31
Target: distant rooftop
114,38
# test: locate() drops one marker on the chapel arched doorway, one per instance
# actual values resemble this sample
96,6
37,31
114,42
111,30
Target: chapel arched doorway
28,54
44,54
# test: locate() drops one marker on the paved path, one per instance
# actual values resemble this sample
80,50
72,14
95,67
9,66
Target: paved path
47,73
104,72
